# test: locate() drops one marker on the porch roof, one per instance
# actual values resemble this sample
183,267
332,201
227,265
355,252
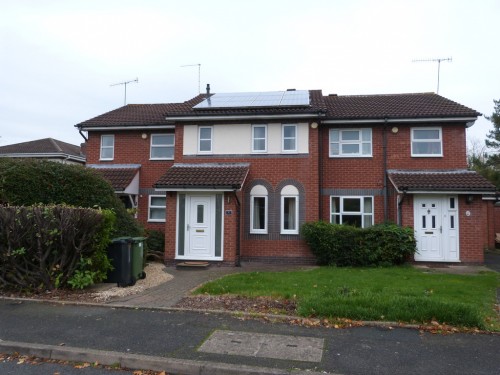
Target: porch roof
206,176
120,177
461,180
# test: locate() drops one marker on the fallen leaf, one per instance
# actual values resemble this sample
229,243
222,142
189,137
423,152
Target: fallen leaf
83,365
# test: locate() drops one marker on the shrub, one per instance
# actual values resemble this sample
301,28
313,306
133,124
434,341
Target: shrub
343,245
49,182
155,240
47,247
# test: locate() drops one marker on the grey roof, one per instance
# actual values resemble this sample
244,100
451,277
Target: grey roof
47,147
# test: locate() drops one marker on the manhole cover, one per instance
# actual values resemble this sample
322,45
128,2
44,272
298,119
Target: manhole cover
296,348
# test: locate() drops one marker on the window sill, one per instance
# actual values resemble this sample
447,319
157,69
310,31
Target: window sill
426,156
156,221
161,158
350,156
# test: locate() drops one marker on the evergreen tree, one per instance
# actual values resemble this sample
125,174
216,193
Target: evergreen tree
493,137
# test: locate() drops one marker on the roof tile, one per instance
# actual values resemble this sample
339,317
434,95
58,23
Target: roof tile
432,180
206,175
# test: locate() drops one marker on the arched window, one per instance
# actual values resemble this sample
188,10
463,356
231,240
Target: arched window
258,209
289,210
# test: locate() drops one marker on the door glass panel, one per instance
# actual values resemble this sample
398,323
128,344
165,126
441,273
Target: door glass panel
423,205
199,214
423,222
452,203
452,222
433,222
433,205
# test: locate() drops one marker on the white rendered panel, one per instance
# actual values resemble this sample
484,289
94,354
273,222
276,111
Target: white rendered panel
236,139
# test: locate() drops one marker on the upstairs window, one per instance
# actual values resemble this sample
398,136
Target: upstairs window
426,142
289,143
107,147
205,139
355,211
162,146
259,138
351,142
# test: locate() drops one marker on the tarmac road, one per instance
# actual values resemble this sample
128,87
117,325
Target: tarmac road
176,336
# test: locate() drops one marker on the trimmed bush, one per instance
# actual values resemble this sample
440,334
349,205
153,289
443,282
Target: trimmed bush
47,182
343,245
47,247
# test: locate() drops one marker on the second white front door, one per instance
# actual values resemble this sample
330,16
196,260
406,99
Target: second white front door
436,228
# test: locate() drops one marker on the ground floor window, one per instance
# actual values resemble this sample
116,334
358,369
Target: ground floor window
356,211
157,205
289,210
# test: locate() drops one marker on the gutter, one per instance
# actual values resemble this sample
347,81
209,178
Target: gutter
44,156
469,120
199,188
137,127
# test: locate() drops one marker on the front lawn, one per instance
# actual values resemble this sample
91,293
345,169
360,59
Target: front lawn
401,294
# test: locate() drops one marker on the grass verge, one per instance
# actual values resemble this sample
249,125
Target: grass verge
401,294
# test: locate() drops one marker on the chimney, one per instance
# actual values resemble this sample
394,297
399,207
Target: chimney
208,89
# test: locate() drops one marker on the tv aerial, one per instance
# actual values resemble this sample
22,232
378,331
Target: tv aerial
125,83
438,60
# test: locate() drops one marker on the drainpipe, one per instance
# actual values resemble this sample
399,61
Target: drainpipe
404,189
384,148
80,131
320,173
238,230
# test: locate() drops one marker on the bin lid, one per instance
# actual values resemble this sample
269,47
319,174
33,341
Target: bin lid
121,239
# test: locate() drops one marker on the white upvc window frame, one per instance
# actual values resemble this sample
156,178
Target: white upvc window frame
341,142
164,145
252,207
362,213
156,207
107,147
254,138
282,214
430,140
200,128
295,138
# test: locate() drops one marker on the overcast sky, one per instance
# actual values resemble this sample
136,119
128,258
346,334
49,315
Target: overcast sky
59,58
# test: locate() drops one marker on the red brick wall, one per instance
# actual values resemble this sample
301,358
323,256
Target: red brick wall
131,148
274,170
473,229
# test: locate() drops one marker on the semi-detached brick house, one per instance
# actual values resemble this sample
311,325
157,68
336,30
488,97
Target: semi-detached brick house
232,177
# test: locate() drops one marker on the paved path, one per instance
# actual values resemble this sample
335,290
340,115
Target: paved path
185,280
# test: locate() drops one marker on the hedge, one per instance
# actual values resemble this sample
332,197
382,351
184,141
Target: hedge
343,245
46,247
25,182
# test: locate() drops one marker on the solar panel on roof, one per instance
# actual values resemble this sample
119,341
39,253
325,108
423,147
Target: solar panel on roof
256,99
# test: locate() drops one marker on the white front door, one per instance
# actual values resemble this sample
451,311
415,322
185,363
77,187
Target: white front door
436,228
200,210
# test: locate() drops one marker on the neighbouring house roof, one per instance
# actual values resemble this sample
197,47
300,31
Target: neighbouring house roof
43,148
217,176
120,176
418,105
440,181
